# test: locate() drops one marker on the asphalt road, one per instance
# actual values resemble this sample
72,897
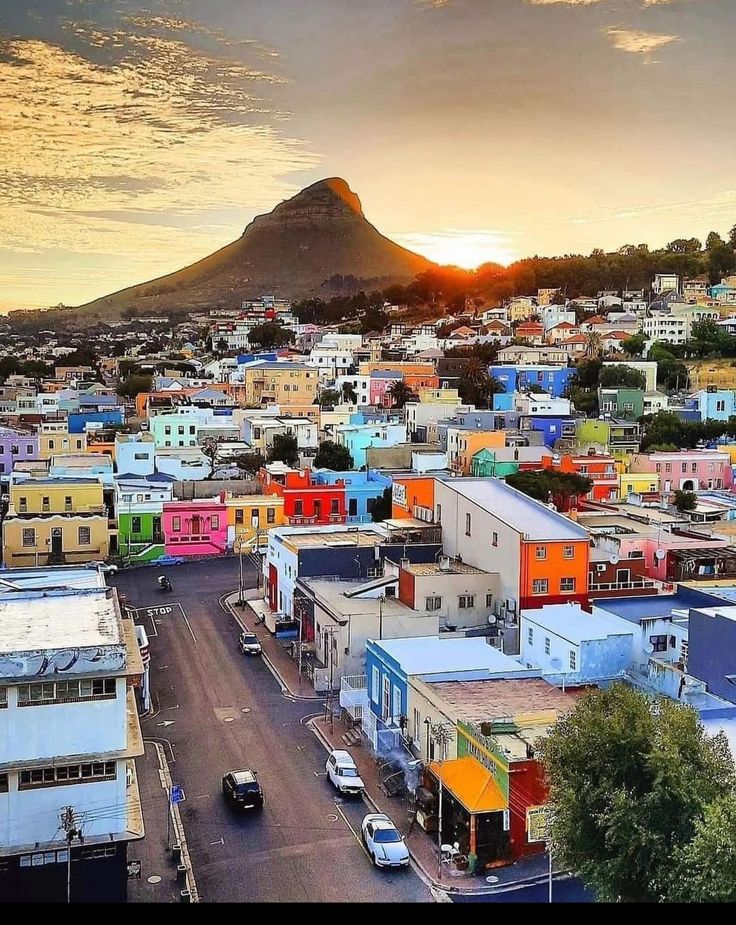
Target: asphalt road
225,711
569,890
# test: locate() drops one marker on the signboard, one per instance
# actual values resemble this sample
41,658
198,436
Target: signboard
398,495
537,823
177,794
134,870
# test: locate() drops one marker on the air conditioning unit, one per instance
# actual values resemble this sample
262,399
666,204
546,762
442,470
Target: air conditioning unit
600,567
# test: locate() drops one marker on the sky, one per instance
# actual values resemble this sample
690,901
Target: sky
137,137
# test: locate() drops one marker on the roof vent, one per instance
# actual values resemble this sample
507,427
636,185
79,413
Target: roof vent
444,563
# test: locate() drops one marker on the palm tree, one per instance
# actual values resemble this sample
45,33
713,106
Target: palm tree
593,345
348,394
400,394
476,385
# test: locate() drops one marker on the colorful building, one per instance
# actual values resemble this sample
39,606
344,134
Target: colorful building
503,461
269,383
16,445
250,517
362,490
54,439
688,470
521,378
358,437
195,528
305,500
413,496
619,438
463,443
638,483
139,505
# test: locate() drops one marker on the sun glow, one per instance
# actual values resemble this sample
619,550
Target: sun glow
460,247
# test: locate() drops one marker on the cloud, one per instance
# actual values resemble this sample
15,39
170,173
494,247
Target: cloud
564,2
463,247
136,143
639,43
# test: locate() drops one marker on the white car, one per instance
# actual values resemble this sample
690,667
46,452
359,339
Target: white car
383,841
343,773
104,567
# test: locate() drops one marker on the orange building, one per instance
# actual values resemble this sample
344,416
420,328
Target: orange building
417,381
554,571
463,444
412,494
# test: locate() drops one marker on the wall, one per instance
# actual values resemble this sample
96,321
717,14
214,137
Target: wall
554,568
407,493
210,540
16,555
78,420
712,652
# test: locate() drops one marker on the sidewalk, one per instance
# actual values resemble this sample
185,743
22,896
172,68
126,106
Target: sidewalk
423,846
157,860
282,665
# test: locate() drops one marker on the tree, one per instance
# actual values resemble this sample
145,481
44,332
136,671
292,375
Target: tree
547,485
671,373
476,386
374,319
210,448
249,462
732,237
400,393
622,376
270,335
329,397
134,385
593,345
713,241
381,507
685,500
706,865
685,246
222,346
634,345
284,449
629,779
348,394
333,456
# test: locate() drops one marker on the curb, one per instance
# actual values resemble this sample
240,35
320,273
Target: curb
285,689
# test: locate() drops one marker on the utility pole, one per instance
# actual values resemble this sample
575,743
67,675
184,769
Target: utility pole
68,823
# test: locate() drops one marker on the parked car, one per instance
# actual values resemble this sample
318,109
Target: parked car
343,773
104,567
383,841
241,789
248,644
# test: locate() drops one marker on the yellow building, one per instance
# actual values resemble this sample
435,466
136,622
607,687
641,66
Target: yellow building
439,396
252,515
55,521
463,444
637,483
54,439
731,450
280,384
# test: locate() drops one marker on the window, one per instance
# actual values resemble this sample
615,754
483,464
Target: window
540,586
299,508
439,513
181,429
3,697
167,430
568,552
658,643
215,522
466,601
51,444
67,774
375,683
489,600
239,516
68,503
271,515
29,536
495,538
468,525
14,450
79,444
541,552
374,572
45,503
335,506
84,536
547,645
567,584
192,429
433,603
573,660
530,636
29,449
4,783
176,524
416,725
140,456
48,692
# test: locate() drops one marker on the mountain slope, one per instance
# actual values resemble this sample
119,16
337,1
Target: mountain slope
290,252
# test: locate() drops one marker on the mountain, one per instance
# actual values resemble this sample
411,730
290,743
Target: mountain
291,252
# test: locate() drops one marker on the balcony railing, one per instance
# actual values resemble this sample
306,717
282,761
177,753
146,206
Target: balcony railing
628,585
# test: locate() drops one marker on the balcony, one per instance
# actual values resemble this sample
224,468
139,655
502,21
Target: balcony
299,520
651,585
354,695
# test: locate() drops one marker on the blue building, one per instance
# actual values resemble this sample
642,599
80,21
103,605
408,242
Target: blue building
361,488
358,437
712,649
715,404
517,378
553,427
78,420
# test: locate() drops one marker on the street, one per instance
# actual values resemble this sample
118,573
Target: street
215,711
566,890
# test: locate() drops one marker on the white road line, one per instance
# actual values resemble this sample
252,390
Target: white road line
355,834
186,620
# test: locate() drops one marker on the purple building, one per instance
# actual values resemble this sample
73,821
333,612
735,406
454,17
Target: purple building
16,445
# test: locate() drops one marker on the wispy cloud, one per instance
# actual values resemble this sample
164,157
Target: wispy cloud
636,42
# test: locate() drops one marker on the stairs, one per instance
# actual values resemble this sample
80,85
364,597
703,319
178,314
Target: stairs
352,737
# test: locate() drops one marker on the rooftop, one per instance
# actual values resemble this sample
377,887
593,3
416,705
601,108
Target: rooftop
483,701
636,609
576,625
535,520
455,567
320,537
427,655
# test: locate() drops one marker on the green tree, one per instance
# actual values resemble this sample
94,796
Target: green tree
329,397
284,449
685,500
671,372
333,456
634,345
706,865
210,448
476,386
348,394
713,241
547,485
685,246
622,376
629,779
400,393
270,335
134,384
249,462
221,346
381,507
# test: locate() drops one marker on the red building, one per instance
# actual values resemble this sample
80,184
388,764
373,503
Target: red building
599,468
305,502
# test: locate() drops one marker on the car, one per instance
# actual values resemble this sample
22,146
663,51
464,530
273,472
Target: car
241,789
383,841
248,644
343,773
104,567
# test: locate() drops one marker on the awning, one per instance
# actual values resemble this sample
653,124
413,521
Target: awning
471,784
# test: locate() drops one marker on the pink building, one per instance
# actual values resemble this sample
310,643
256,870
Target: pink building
380,382
195,528
688,470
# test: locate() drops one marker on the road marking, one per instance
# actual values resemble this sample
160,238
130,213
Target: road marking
186,620
172,708
166,722
220,841
355,834
439,896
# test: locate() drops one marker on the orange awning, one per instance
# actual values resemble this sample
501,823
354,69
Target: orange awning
470,783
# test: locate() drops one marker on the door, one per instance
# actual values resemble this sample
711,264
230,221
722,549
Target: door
386,698
56,542
396,709
157,536
318,509
353,507
623,576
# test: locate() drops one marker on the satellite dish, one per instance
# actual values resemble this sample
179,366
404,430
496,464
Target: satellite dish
492,620
649,648
660,554
615,560
556,663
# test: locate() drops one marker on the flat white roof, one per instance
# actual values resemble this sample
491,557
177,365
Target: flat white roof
524,514
576,625
434,655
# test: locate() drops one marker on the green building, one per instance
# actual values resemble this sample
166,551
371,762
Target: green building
617,437
622,403
485,464
140,505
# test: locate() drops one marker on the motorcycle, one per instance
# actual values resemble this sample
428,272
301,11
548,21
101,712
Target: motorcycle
164,583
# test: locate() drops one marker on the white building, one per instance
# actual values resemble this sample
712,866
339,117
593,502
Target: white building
361,385
663,282
540,403
69,734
